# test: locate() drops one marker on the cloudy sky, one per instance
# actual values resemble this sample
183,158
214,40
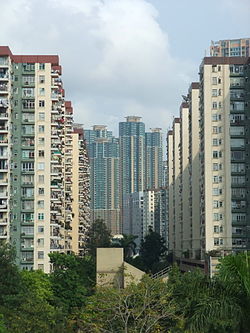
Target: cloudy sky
123,57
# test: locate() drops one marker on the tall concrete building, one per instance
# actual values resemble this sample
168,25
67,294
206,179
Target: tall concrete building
191,244
144,210
154,159
103,151
80,191
36,158
224,154
216,187
230,48
132,157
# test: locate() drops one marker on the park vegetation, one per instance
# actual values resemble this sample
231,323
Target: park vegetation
67,299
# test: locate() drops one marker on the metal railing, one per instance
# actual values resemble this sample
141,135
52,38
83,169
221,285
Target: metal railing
161,274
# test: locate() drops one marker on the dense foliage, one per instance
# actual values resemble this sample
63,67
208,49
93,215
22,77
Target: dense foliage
67,300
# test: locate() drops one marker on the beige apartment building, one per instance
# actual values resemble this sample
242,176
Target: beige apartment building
80,191
209,205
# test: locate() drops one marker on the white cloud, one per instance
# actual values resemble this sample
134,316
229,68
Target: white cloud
116,58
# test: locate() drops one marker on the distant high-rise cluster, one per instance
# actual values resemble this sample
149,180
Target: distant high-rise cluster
37,181
122,167
208,161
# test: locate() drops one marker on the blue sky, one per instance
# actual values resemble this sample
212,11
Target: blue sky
123,57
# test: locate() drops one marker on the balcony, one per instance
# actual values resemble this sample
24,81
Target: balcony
3,222
4,76
3,88
3,129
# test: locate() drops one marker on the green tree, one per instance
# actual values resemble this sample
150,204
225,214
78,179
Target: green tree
10,279
152,251
127,242
205,303
99,236
72,279
234,272
143,307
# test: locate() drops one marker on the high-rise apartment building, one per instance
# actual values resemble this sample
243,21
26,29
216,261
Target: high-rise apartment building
132,157
216,187
36,158
224,153
174,185
154,159
80,191
103,151
143,211
230,48
191,243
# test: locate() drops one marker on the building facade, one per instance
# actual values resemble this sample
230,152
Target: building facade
36,158
145,210
230,48
103,151
154,158
209,204
80,191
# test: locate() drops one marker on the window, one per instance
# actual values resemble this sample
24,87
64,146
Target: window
217,191
216,117
40,204
27,166
40,255
40,229
217,179
217,154
214,105
41,67
237,130
41,179
41,128
42,91
41,103
238,155
238,167
217,142
216,229
41,141
216,241
40,216
41,78
41,166
41,116
40,242
41,191
41,153
217,216
28,79
216,129
28,92
214,80
214,93
217,204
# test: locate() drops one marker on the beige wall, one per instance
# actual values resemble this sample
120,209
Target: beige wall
195,165
225,160
176,193
184,190
170,190
111,270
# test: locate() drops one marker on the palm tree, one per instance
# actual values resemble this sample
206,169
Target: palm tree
128,244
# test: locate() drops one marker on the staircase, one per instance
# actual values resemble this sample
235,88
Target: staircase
162,274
